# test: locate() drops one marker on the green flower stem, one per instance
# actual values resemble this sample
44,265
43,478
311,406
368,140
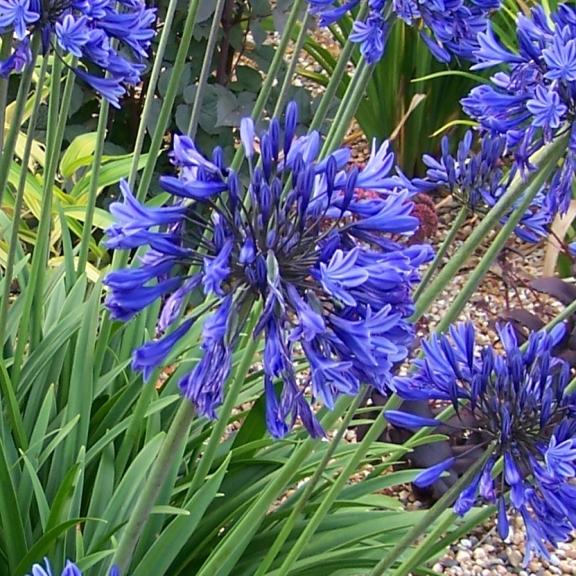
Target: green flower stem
288,526
206,68
55,135
19,202
6,40
169,98
348,107
93,190
150,92
152,83
33,301
549,155
430,546
224,558
177,435
336,77
8,146
495,247
332,88
297,48
231,397
442,250
135,426
329,498
266,89
564,315
420,553
432,516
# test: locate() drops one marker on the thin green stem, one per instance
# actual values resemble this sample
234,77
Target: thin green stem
9,145
19,202
296,49
329,498
169,98
495,248
433,514
288,526
165,36
206,68
420,553
177,435
266,89
93,190
134,427
4,53
548,155
336,77
442,250
348,107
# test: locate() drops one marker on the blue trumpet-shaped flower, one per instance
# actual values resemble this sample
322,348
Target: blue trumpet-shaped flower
476,178
519,407
331,270
89,31
448,27
533,100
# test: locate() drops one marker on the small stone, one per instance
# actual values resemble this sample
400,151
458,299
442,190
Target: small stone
463,556
517,538
438,568
534,566
514,557
465,543
554,560
480,554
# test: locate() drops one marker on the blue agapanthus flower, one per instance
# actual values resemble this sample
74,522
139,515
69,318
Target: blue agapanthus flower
517,405
69,570
476,176
534,100
448,27
331,270
105,36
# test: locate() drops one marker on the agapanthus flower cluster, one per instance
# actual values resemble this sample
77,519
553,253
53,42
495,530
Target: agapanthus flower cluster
534,100
478,177
330,269
69,570
106,37
515,407
448,27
